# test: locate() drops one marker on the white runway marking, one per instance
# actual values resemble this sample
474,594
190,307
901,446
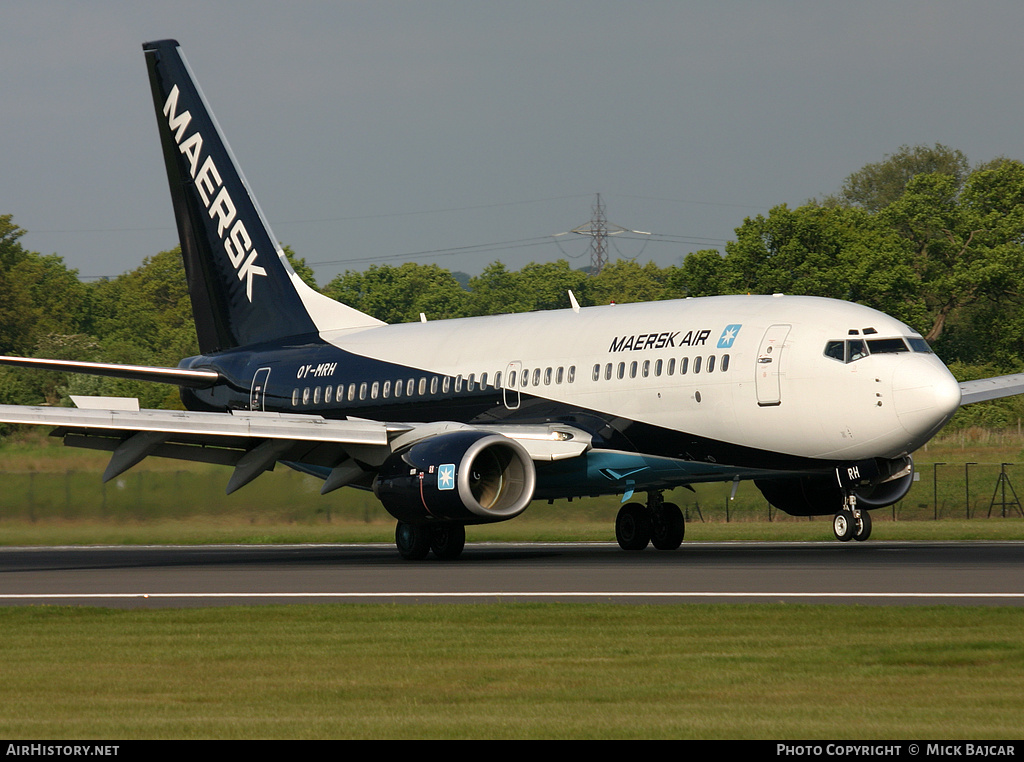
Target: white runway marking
510,594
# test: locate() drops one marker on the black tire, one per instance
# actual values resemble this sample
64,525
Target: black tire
412,541
844,526
448,540
667,527
862,530
633,527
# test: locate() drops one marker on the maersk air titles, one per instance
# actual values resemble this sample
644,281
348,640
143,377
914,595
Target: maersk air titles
662,340
458,422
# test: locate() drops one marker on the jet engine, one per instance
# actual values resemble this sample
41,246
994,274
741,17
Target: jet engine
473,477
876,484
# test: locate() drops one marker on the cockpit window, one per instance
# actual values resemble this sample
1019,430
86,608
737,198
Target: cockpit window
836,350
886,346
852,350
846,351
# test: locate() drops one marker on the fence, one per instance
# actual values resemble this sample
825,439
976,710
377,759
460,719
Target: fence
941,491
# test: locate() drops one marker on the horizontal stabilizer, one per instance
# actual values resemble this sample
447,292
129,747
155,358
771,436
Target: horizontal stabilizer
197,379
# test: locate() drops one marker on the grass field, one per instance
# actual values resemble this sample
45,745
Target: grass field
503,670
513,671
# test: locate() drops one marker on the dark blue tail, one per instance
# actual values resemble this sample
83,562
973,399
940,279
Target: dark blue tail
243,290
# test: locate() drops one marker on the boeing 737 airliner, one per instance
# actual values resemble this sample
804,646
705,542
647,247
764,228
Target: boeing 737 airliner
458,422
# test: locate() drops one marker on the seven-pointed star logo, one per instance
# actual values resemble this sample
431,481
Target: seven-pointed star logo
446,476
728,336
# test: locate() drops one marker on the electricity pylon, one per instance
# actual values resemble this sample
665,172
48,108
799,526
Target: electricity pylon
599,229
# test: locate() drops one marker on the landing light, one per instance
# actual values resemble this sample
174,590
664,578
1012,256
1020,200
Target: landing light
551,436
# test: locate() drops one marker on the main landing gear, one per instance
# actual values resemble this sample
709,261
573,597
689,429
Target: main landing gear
414,541
658,523
851,523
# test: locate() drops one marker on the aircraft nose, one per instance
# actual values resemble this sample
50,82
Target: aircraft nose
925,395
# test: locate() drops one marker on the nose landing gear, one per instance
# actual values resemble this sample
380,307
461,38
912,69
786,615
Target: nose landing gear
851,523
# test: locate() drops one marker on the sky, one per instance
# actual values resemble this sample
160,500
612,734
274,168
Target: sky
467,132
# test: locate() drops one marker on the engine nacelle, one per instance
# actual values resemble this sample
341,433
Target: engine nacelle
469,476
888,482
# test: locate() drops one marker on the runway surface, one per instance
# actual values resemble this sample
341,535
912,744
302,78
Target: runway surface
982,573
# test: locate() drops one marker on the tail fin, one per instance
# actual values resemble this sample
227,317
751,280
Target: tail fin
243,289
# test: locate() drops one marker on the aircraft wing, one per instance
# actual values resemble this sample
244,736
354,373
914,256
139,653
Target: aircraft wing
985,389
253,442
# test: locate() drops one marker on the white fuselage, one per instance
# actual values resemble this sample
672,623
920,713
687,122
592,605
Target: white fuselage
756,369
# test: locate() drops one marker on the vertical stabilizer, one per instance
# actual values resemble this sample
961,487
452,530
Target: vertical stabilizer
243,289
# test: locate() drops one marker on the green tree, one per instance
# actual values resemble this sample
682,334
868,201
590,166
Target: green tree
400,294
875,186
701,274
965,239
38,294
494,292
537,286
625,281
837,252
146,310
